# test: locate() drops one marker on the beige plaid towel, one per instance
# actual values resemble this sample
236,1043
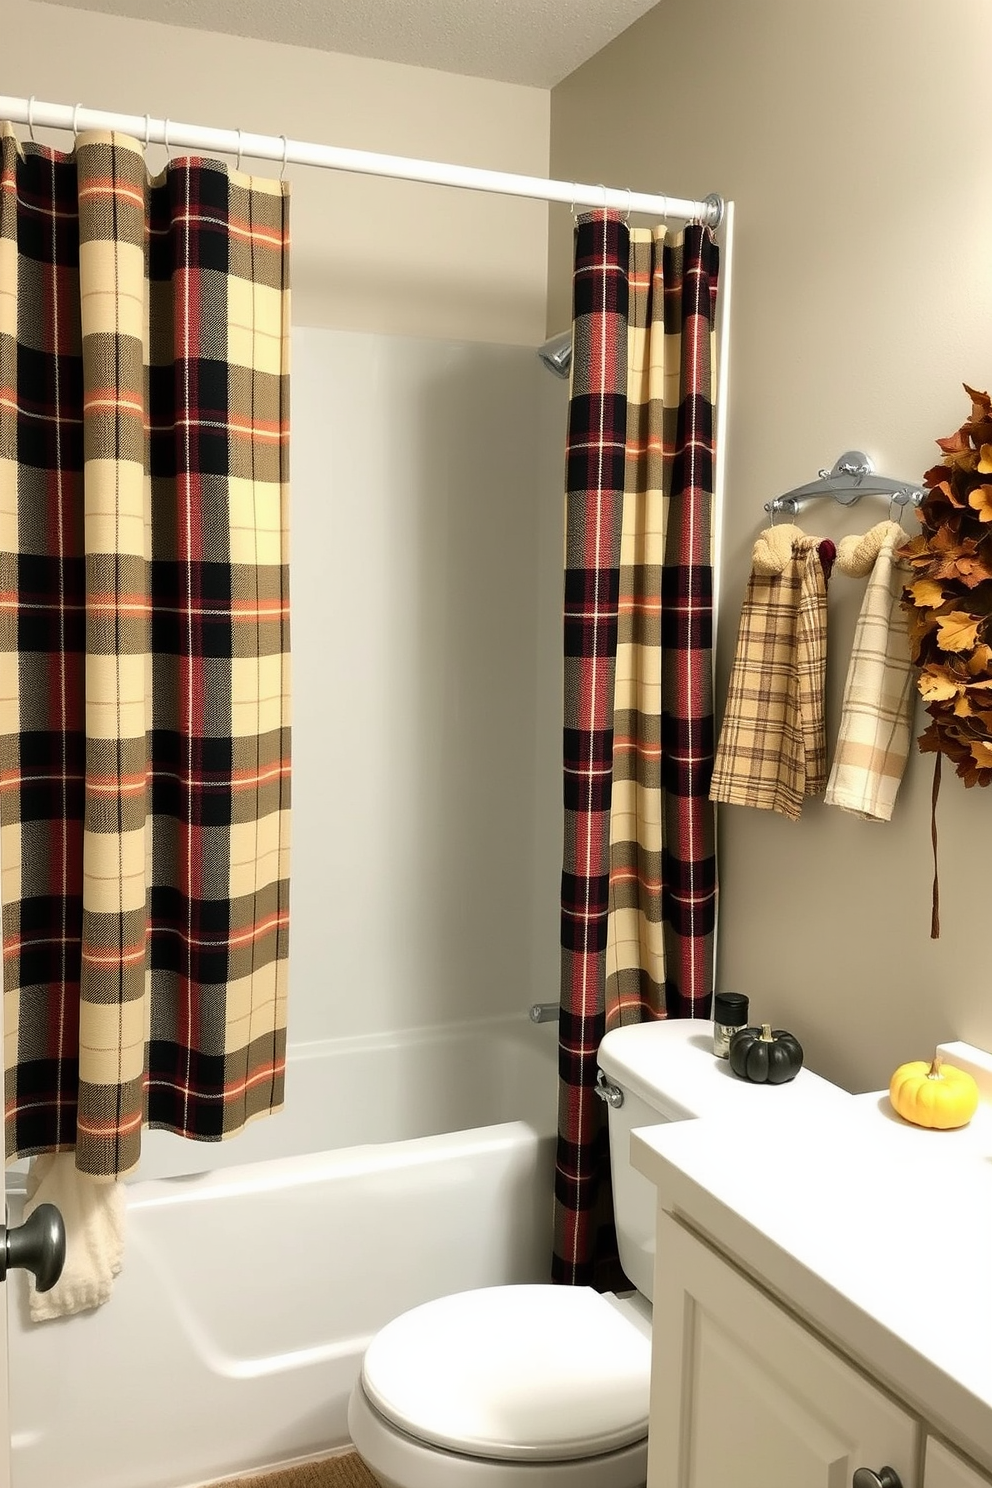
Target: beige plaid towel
877,713
772,750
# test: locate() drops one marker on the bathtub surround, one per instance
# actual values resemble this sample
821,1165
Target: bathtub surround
414,510
638,877
143,647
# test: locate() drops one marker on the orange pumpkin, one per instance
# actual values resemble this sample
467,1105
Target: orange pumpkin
935,1095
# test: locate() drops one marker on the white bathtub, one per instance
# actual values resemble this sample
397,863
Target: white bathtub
402,1168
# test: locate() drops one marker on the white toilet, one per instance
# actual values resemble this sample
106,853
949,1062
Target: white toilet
547,1386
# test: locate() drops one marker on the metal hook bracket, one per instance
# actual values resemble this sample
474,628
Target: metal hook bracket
852,476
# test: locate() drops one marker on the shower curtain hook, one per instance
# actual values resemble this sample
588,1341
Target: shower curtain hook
31,119
575,215
239,150
606,198
168,151
285,155
148,130
75,121
630,197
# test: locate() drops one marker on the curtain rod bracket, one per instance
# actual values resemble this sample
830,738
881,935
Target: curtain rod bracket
717,207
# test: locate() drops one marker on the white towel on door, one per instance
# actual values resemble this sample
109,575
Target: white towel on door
93,1211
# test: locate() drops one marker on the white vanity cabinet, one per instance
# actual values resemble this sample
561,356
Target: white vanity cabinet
945,1469
742,1395
810,1319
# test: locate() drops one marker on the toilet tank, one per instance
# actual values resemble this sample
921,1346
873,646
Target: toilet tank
667,1071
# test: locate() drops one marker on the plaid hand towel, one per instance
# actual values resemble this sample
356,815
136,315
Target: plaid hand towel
772,750
877,713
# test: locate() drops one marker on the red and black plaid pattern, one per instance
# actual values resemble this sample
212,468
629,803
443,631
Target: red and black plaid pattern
594,477
638,880
144,739
691,272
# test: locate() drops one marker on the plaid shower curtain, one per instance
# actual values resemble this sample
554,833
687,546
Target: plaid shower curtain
144,740
638,876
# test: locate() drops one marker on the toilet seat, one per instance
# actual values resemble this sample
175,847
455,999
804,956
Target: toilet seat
398,1461
514,1374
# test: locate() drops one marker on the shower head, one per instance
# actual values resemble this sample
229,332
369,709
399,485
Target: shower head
556,354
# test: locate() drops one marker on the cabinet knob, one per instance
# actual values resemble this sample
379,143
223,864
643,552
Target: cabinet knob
886,1477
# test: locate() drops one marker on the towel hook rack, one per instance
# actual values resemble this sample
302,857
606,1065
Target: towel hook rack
853,476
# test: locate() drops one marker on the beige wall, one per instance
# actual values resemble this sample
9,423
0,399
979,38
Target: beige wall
854,139
367,254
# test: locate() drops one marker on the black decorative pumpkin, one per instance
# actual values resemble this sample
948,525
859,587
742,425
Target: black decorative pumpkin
765,1057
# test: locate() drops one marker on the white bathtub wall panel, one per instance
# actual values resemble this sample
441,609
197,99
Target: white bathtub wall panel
547,816
418,504
387,1088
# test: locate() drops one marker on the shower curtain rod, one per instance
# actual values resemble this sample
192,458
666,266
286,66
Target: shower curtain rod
168,132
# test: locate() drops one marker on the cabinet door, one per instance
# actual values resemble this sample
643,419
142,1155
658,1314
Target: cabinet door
743,1396
945,1469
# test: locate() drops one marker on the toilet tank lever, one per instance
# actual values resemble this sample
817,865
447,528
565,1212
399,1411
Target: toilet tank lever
611,1094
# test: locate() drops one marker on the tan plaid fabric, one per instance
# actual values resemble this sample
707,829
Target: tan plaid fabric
645,709
877,713
144,667
772,747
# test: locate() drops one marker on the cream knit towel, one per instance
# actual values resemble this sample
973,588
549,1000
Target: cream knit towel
877,712
93,1211
772,748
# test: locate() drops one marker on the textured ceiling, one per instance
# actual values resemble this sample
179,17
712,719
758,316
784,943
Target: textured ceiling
537,42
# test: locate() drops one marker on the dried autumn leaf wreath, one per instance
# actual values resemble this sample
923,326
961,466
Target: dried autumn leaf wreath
949,603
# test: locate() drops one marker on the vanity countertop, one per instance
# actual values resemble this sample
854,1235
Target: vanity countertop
877,1232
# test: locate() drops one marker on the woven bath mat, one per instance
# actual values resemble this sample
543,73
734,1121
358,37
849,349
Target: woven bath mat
348,1471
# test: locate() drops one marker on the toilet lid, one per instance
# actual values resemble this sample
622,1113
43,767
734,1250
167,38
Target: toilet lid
536,1373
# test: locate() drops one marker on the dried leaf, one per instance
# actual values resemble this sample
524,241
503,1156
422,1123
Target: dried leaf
936,686
916,551
957,631
965,459
921,624
937,476
927,593
981,403
981,498
973,571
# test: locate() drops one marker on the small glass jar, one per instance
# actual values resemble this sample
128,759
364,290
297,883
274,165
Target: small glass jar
729,1014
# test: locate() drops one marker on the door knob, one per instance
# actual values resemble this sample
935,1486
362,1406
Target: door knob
886,1477
38,1245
